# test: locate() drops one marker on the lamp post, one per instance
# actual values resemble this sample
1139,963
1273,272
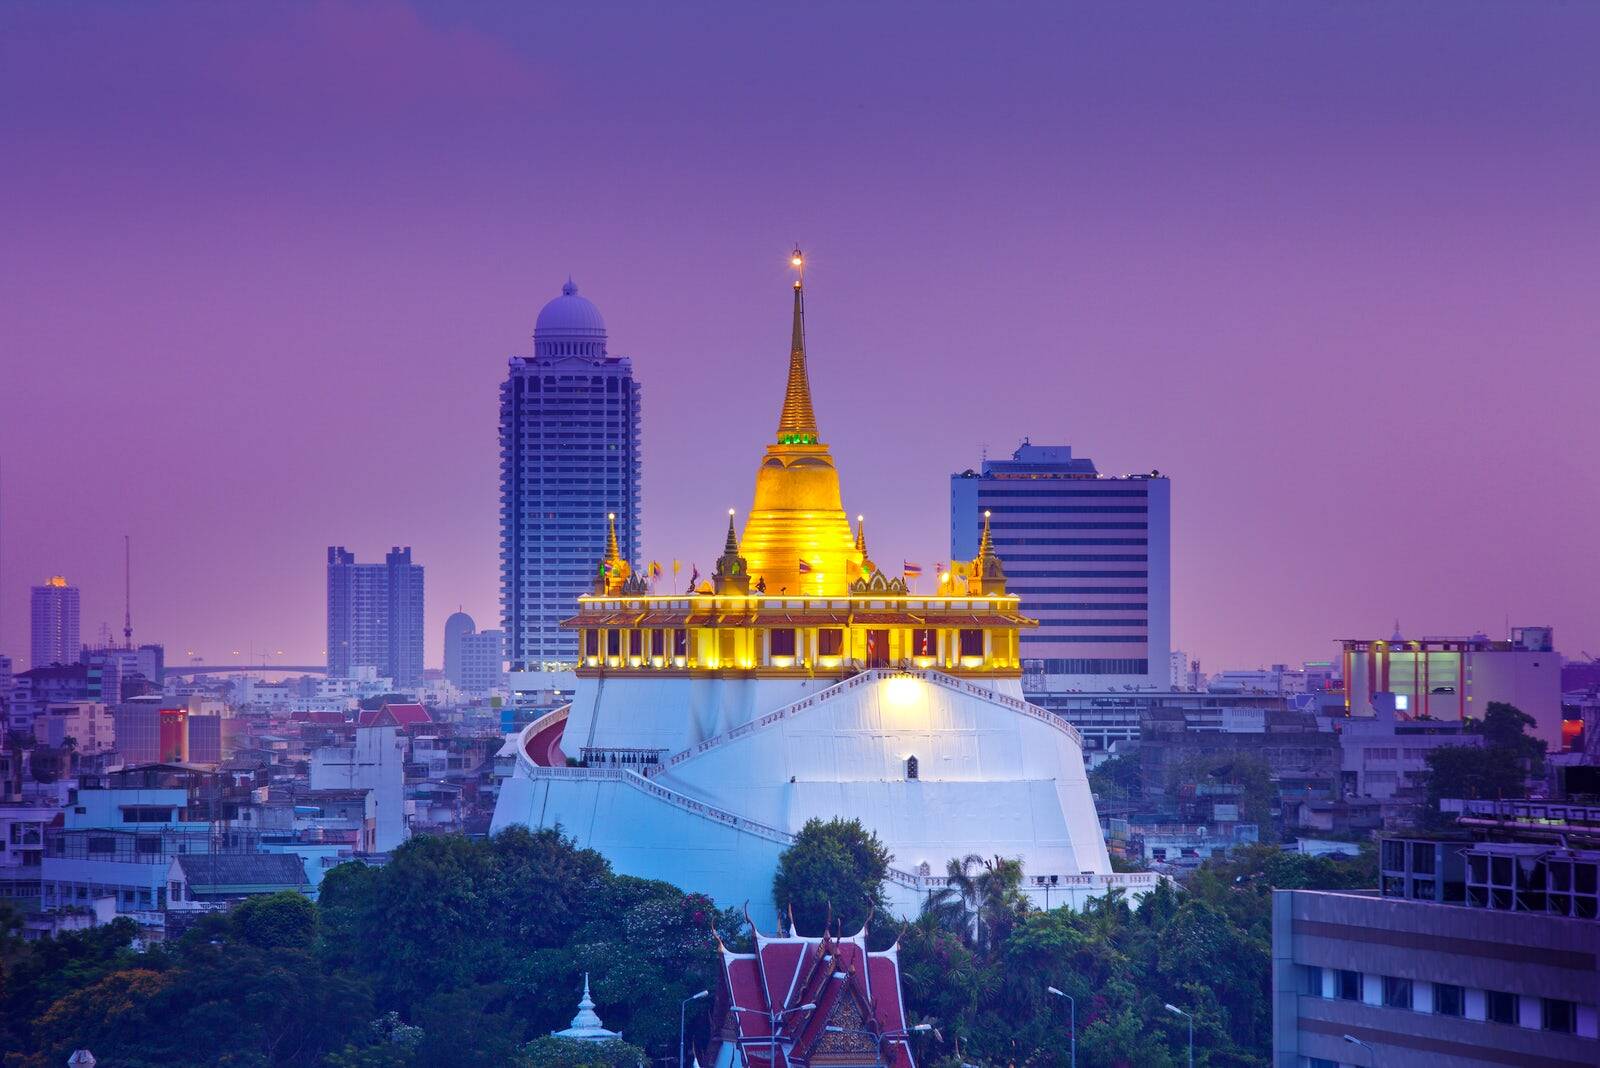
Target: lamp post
1372,1054
1072,1009
879,1039
683,1010
1186,1016
772,1017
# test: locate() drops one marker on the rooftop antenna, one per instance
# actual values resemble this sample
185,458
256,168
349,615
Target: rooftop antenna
127,593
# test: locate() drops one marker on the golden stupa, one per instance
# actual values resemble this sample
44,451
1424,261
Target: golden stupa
796,593
797,515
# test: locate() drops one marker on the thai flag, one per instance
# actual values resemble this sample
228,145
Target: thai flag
805,568
911,570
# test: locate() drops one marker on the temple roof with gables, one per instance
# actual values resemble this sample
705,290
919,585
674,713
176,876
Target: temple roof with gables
800,1001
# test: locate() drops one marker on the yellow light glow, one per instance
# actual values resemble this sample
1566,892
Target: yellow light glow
902,692
795,260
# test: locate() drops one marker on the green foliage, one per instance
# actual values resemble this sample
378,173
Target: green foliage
456,952
553,1052
1117,779
285,920
1499,768
833,869
1249,771
1207,949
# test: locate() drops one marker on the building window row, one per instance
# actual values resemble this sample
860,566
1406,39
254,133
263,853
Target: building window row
1444,999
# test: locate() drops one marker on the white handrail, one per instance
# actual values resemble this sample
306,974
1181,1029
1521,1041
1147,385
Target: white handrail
912,880
874,675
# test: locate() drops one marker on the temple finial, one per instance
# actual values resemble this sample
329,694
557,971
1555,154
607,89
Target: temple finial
612,551
797,424
985,544
731,547
861,534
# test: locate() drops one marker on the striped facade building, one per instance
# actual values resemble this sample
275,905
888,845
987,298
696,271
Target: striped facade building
1090,555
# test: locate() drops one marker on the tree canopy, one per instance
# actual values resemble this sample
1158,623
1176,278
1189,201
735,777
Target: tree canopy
834,869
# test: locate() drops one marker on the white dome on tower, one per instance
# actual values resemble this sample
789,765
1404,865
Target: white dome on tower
570,325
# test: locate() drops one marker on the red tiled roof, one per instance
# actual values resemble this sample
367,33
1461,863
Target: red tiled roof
395,716
860,989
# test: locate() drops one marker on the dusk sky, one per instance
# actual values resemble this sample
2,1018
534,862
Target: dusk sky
1333,268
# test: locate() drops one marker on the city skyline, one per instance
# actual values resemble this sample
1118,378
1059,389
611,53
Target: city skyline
1338,289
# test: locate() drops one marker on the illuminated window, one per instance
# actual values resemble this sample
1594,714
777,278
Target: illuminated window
636,643
613,643
972,643
830,641
782,639
924,642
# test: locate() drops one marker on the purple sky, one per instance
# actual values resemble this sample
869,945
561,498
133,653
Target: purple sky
1332,266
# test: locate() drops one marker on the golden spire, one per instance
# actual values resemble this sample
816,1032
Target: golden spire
613,553
861,534
797,424
731,548
988,574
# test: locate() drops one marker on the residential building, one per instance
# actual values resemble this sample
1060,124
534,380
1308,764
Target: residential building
474,660
196,880
54,624
375,762
1386,756
153,729
1090,555
456,627
375,615
1476,951
87,723
1457,678
1106,718
125,829
569,456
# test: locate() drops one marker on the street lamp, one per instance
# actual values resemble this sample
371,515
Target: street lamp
1186,1016
1372,1054
772,1017
1072,1009
683,1009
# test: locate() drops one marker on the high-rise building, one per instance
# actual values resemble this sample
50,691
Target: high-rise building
55,624
1090,555
474,660
375,615
456,628
569,456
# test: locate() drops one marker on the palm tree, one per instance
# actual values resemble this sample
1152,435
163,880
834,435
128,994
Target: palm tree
981,898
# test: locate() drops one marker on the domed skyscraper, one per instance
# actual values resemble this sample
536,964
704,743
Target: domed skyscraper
569,457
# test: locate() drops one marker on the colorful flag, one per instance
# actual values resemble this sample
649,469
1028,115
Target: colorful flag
677,566
911,570
805,568
694,574
655,569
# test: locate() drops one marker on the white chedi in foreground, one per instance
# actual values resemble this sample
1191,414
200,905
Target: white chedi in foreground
586,1026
